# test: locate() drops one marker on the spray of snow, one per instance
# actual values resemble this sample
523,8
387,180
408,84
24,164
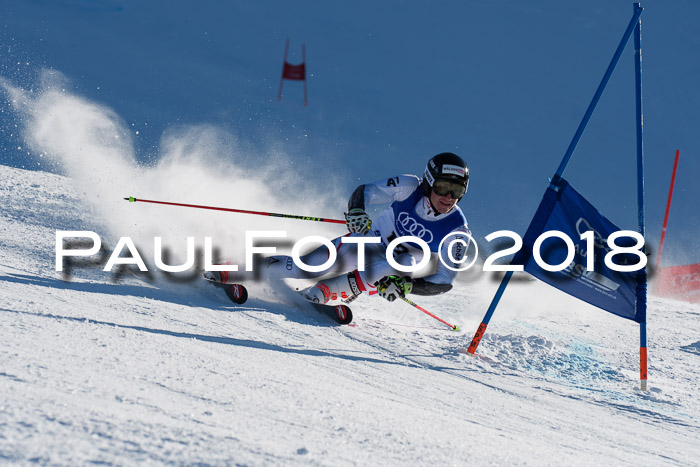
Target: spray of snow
199,164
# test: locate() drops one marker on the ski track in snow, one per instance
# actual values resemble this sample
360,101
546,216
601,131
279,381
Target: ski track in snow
153,371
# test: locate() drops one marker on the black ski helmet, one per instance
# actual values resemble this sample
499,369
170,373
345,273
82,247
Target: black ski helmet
445,166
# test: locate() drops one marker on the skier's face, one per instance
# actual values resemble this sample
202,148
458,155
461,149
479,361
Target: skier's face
443,204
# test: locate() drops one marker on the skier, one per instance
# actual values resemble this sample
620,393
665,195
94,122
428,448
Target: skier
425,208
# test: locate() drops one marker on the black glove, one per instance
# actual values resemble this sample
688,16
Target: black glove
393,287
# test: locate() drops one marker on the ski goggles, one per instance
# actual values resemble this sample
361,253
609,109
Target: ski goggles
445,187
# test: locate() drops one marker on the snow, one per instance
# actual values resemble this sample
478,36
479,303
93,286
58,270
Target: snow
126,370
130,368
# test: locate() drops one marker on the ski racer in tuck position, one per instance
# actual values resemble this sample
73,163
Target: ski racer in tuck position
426,209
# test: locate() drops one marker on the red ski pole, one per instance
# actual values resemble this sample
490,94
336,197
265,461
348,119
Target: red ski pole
453,327
131,199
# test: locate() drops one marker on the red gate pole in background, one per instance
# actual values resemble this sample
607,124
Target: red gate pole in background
294,72
668,208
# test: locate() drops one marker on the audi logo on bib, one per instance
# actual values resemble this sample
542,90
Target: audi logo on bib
407,225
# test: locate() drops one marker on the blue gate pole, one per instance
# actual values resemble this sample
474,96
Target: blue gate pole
641,312
599,92
485,322
565,161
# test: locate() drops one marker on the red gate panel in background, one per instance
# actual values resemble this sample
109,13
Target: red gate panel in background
679,282
294,72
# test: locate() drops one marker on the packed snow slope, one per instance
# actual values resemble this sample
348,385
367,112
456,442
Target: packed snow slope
125,369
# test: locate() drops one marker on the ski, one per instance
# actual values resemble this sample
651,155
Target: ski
341,314
237,293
